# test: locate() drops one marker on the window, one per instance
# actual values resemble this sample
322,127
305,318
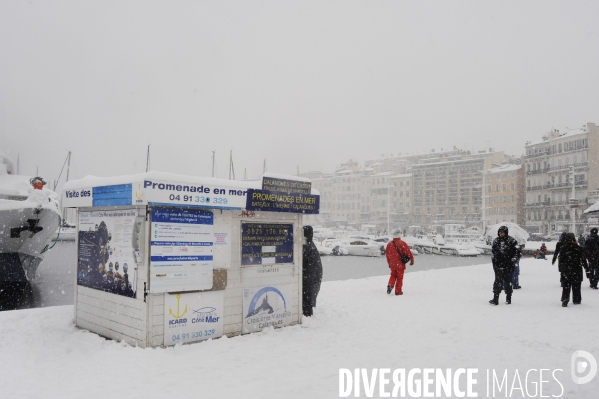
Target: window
504,187
512,186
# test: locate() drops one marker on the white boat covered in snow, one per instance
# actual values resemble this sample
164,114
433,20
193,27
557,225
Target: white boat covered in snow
29,217
439,247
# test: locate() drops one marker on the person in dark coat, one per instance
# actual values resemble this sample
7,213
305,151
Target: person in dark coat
581,240
312,272
591,245
572,259
506,255
558,246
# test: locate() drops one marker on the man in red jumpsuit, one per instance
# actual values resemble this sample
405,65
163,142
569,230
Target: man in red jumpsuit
396,249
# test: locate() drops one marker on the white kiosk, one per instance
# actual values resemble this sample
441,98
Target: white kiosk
165,259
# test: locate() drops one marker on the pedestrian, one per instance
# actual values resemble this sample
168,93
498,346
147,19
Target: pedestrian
558,247
398,254
572,259
516,276
505,256
581,240
311,272
591,246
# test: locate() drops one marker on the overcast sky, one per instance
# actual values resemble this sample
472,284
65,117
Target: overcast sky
302,83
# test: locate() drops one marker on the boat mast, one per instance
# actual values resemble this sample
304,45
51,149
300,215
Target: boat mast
68,164
148,158
213,154
231,166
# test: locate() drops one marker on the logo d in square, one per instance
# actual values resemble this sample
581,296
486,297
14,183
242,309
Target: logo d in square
583,367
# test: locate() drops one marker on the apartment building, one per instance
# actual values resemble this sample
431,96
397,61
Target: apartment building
504,194
449,189
423,189
548,165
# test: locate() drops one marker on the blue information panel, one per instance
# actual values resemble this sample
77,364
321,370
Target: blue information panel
260,200
181,252
266,243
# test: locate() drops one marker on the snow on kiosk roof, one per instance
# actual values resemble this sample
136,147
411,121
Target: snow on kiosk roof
164,259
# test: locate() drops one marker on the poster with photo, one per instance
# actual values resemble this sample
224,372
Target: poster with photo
105,254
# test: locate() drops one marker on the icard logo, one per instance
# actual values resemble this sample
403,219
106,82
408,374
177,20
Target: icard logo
179,319
139,195
583,367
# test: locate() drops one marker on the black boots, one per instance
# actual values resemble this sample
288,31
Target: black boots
564,304
495,300
508,299
389,288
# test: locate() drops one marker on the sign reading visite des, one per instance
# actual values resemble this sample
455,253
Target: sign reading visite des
193,317
266,306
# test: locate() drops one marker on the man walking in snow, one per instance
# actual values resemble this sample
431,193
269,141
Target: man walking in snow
398,254
506,255
572,260
591,246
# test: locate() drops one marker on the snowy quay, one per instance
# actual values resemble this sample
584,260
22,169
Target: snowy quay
443,321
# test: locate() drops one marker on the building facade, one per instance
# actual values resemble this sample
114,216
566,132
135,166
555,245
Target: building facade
504,195
548,167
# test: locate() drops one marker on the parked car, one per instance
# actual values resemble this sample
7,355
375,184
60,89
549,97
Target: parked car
537,237
335,245
361,247
553,236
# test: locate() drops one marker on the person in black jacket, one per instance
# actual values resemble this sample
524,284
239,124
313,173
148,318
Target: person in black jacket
558,246
505,257
591,245
312,272
572,259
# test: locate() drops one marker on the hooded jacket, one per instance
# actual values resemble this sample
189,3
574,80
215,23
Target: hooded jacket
591,245
572,260
505,250
393,254
311,268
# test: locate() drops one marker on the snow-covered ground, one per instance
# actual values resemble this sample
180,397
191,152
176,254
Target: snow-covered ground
443,320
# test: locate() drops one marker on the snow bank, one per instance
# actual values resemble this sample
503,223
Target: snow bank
442,321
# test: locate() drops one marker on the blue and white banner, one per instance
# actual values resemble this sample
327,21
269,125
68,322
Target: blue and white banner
266,306
181,250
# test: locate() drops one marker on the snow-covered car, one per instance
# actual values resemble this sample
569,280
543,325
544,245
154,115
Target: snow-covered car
322,250
553,236
361,247
536,237
382,244
335,245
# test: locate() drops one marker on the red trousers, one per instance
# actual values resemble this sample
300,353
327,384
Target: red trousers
396,279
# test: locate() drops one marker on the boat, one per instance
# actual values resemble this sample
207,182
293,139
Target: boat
438,246
29,214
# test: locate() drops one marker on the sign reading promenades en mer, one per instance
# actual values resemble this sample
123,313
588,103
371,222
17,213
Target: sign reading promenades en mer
280,195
